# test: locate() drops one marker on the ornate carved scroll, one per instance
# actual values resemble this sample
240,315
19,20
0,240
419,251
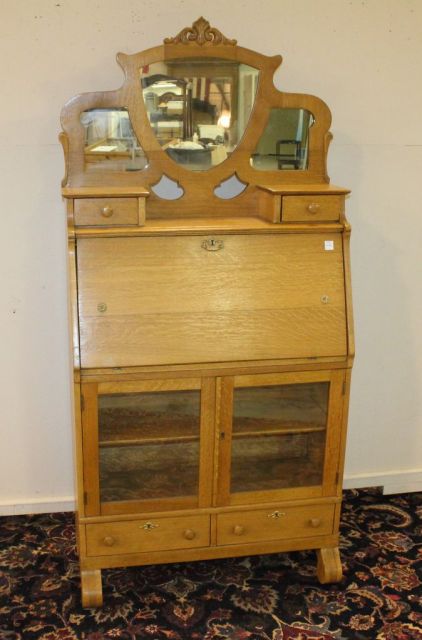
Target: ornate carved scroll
200,33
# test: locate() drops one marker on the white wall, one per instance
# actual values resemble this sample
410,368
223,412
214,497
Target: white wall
363,58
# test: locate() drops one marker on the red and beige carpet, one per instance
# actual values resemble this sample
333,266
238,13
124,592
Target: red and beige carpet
273,597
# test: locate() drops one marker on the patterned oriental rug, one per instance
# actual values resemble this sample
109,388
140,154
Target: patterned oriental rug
273,597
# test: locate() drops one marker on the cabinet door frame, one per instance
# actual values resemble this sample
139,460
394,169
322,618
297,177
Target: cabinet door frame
90,392
224,428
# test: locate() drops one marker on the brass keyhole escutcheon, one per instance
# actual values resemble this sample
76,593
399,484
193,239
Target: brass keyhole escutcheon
325,299
102,307
276,514
212,244
148,526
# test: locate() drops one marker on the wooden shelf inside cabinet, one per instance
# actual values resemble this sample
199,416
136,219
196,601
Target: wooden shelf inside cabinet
138,426
277,430
138,436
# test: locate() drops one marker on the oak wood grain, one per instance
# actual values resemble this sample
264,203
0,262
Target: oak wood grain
168,300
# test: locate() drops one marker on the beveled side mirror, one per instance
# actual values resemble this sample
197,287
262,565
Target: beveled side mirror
283,144
110,143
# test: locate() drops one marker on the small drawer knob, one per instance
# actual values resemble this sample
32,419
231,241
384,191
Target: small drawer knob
189,534
107,211
238,530
313,207
109,541
315,522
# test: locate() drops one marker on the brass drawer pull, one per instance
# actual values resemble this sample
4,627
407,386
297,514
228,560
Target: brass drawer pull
313,207
276,514
189,534
109,541
148,526
107,211
212,244
238,530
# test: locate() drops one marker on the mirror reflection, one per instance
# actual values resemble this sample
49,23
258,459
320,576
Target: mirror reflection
110,142
284,142
199,108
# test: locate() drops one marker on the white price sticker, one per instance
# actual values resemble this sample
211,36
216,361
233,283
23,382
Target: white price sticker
329,245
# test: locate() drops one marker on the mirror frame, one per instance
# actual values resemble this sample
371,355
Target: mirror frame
198,41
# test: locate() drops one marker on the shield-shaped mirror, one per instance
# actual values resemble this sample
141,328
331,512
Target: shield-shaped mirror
199,108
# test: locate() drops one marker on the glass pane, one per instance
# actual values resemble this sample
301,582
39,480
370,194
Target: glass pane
199,108
284,142
110,142
149,445
278,436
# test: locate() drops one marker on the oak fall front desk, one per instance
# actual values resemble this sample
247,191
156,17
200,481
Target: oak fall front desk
212,335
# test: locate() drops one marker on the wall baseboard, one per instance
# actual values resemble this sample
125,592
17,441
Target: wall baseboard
37,505
392,482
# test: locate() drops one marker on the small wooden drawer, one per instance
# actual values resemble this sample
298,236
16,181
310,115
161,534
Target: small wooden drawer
105,212
151,534
279,523
311,208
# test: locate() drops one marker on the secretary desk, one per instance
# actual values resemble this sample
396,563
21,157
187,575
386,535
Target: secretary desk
210,309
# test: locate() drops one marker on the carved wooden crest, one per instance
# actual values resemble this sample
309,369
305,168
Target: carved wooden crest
200,33
156,129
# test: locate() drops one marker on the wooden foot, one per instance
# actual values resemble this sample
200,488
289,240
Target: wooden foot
329,565
92,590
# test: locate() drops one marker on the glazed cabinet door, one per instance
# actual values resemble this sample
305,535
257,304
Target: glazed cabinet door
279,436
146,445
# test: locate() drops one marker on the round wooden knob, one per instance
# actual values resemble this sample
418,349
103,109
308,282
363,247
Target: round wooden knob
107,211
315,522
238,530
109,541
189,534
313,207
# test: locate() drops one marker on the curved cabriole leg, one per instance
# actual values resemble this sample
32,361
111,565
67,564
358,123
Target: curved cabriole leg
92,590
329,565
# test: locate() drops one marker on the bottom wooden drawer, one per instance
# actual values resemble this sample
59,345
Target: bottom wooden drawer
275,524
152,534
